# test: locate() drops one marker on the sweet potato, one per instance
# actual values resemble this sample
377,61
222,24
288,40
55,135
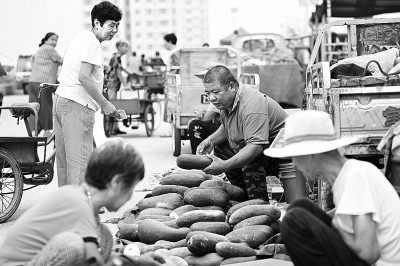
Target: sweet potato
234,192
155,211
160,218
186,180
189,218
150,231
216,208
128,231
164,189
168,201
180,252
255,220
181,210
253,235
243,204
210,259
230,250
192,161
221,228
206,197
254,210
238,260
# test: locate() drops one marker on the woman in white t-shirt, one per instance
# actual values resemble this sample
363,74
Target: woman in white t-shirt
79,94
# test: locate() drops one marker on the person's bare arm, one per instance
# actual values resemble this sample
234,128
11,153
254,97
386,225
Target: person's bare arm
243,157
218,137
364,241
85,78
120,77
208,116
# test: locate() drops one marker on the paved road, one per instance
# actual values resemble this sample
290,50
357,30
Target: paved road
156,152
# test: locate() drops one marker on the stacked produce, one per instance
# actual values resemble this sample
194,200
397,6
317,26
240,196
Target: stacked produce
203,221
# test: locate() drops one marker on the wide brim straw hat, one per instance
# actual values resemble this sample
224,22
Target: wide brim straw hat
305,133
207,65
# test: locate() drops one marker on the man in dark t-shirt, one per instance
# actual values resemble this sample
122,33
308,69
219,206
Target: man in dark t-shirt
250,122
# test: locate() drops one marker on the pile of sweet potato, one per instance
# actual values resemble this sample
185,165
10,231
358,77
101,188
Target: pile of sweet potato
204,221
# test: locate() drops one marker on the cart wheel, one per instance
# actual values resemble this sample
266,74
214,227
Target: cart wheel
108,125
149,119
176,140
11,185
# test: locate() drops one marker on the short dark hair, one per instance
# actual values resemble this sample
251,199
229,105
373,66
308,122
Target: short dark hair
46,37
221,74
121,42
171,37
104,11
114,157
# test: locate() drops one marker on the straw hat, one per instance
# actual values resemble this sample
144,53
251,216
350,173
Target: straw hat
307,132
207,65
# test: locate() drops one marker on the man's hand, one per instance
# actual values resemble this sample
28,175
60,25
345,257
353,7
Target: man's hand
217,167
109,109
205,147
199,114
149,259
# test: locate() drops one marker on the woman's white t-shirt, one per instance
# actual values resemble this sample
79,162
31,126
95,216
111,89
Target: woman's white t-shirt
84,48
361,188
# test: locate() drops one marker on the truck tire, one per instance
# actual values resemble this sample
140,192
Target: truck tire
176,140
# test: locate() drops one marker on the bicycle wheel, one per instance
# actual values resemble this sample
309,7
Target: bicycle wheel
11,185
149,119
108,125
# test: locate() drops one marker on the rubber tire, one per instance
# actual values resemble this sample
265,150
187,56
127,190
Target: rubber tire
176,140
149,119
108,125
6,159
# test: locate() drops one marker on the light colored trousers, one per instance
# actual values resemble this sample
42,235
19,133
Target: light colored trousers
73,126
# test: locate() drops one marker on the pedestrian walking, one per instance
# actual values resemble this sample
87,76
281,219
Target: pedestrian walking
46,62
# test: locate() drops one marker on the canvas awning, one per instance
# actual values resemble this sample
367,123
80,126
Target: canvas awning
357,8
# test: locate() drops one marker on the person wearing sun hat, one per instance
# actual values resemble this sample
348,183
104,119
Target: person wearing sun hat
250,122
364,227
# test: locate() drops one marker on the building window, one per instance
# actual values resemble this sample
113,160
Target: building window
163,11
138,35
149,35
164,22
137,11
148,23
137,23
138,47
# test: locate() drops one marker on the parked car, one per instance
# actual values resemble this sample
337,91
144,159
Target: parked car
23,72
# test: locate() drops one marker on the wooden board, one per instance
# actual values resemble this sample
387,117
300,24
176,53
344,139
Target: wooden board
374,38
